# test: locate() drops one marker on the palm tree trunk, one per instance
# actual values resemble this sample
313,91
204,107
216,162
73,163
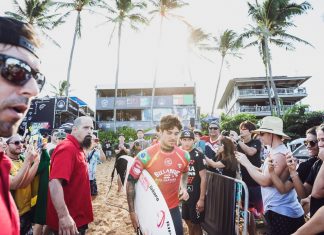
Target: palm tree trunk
156,71
273,85
217,86
268,88
71,54
117,72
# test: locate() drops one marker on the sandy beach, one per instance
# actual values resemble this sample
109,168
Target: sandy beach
110,211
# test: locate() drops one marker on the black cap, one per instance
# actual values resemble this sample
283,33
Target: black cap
187,134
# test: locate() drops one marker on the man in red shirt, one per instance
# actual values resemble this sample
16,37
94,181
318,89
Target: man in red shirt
69,208
166,163
20,81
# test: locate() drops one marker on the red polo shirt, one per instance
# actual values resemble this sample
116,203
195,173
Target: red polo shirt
68,163
9,219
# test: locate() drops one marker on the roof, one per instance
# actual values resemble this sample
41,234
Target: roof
144,85
230,85
80,102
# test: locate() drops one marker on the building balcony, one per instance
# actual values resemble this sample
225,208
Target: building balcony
261,110
263,93
109,125
140,102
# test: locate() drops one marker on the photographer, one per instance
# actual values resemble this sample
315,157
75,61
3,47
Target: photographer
139,144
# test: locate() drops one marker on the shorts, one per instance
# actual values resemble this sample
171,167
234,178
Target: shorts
177,222
93,187
190,213
282,225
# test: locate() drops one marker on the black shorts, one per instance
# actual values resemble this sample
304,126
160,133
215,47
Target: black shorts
93,187
190,213
282,225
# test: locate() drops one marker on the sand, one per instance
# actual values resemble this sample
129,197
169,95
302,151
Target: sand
110,211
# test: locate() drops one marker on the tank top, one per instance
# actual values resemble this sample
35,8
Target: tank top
284,204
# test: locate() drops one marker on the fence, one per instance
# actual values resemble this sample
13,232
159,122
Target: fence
222,210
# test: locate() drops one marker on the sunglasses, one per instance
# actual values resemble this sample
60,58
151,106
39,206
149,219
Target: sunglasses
61,138
312,143
18,142
18,72
213,128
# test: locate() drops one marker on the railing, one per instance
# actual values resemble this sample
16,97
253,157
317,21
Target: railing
109,125
281,91
262,109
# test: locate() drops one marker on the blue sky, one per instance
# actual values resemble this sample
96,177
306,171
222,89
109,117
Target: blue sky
94,62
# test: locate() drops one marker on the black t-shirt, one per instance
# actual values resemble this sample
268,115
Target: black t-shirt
121,153
255,160
228,170
313,172
304,169
196,164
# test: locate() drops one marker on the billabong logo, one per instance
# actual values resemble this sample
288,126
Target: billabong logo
160,219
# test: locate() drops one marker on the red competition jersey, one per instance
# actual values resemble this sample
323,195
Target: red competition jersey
9,219
68,163
165,169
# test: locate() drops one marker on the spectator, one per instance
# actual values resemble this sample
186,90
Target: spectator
212,143
18,43
94,156
283,212
199,144
226,160
251,148
67,211
22,173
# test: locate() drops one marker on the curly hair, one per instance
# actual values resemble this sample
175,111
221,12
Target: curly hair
168,122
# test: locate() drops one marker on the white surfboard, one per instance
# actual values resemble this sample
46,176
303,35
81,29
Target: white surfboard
150,206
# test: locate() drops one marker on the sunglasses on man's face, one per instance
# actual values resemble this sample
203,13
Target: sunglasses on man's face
18,142
18,72
213,128
311,143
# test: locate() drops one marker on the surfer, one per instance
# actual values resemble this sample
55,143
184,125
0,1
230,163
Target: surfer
168,158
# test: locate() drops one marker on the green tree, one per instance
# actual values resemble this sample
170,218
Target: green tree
163,9
298,119
77,6
227,43
233,122
124,12
272,19
59,90
37,13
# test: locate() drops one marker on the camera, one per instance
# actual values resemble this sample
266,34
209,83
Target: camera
225,133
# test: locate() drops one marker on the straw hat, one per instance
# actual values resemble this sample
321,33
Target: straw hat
272,125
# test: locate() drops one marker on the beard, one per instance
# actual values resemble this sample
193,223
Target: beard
86,143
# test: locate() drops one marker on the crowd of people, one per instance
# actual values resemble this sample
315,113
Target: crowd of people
47,185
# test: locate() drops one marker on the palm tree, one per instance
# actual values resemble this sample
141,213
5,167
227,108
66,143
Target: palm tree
124,12
37,13
78,6
163,8
198,41
228,43
59,90
272,19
